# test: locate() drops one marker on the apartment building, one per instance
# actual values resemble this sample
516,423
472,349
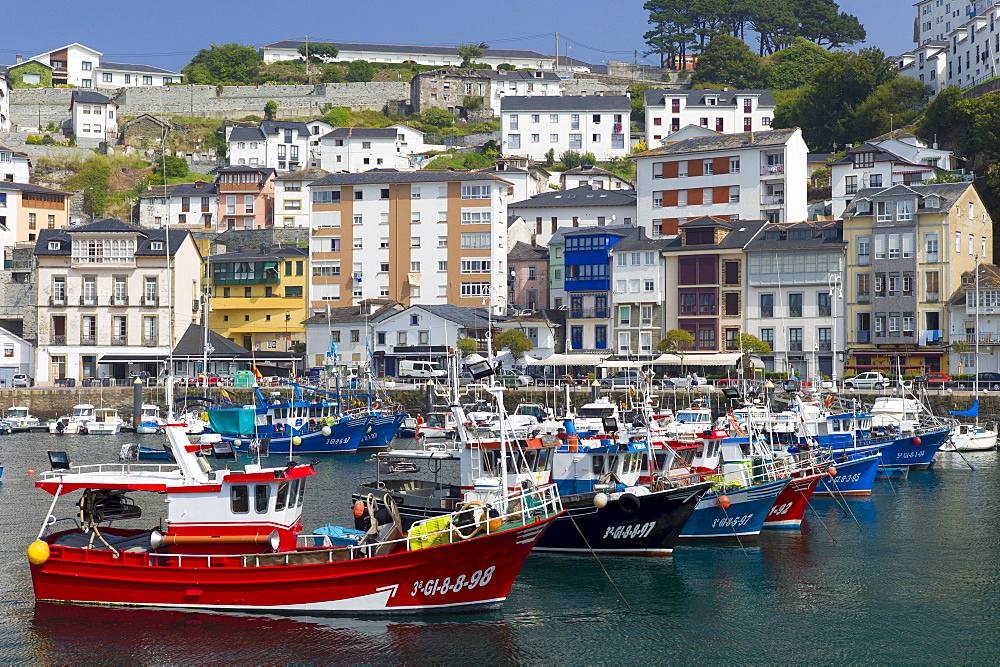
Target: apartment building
745,176
527,178
638,283
94,118
907,248
344,336
358,149
15,166
976,323
183,206
81,66
26,208
936,19
529,276
588,174
451,89
598,124
928,63
724,111
584,206
901,158
794,297
413,237
112,298
246,197
292,204
278,144
259,296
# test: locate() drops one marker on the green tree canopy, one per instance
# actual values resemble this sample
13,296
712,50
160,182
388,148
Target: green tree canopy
752,344
792,66
337,116
437,117
466,346
890,106
176,167
469,53
319,51
270,110
360,70
677,340
226,64
515,342
570,159
728,61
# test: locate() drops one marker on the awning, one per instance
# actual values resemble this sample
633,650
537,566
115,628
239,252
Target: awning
668,359
711,359
625,364
130,358
897,353
570,360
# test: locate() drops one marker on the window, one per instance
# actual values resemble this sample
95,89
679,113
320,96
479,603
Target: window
442,241
476,240
383,243
864,250
875,180
823,304
851,185
795,304
239,499
359,243
883,211
893,246
107,77
476,217
879,246
475,192
475,266
795,339
904,209
958,242
624,315
475,289
864,159
766,305
575,141
972,244
553,138
149,327
414,241
536,138
932,291
574,121
147,81
864,287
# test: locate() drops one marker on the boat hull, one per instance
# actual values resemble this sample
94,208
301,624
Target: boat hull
790,506
344,438
475,574
971,442
743,518
855,476
905,451
381,432
649,527
149,428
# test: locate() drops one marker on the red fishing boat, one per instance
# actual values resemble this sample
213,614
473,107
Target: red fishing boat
233,540
790,506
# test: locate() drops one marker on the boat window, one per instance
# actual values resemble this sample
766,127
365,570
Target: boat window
302,492
543,460
293,493
279,502
598,464
614,464
529,460
261,494
591,413
239,498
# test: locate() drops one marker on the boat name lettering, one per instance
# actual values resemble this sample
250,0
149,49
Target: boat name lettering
778,510
630,531
732,521
919,454
446,585
847,479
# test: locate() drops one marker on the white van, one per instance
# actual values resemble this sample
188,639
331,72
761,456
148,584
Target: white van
421,369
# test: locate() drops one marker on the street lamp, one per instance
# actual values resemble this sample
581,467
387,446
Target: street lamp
836,284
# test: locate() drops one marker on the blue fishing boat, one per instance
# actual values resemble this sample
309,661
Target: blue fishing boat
381,430
728,513
855,474
852,432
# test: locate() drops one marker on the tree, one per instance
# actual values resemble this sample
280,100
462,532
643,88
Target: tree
469,53
336,116
467,346
640,147
227,64
550,157
944,117
94,179
570,159
176,167
438,117
319,51
270,110
331,74
728,61
588,158
514,341
793,66
677,340
753,345
360,70
892,105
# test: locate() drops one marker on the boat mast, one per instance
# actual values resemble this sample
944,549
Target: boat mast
975,381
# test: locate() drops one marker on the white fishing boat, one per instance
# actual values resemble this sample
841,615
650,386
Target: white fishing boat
78,422
106,422
21,419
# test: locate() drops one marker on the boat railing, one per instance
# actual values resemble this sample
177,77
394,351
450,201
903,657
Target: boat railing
112,468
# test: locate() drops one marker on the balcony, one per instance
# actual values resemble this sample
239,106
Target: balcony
932,296
584,313
151,301
772,200
767,311
149,342
88,300
772,170
18,264
825,346
57,301
119,301
825,311
59,340
88,340
985,338
795,346
119,340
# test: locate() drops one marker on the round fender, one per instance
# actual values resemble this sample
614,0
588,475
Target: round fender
629,503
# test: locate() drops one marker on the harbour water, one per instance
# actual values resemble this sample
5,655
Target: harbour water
910,575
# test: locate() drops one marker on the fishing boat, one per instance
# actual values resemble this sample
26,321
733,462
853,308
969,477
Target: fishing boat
232,541
599,416
106,422
21,419
149,420
76,423
790,506
438,424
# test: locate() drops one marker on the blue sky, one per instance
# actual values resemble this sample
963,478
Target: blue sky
168,34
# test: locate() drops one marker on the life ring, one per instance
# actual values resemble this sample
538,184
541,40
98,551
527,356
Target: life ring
629,503
376,405
828,400
466,517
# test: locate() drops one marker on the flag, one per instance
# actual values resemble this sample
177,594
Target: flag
224,397
256,372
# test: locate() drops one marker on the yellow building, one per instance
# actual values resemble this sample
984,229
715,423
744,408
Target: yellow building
27,208
259,296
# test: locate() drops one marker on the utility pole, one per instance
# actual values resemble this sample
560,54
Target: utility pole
557,52
308,69
635,63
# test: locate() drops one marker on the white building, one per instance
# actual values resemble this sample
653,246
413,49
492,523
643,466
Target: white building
4,100
638,291
347,331
532,126
281,145
413,237
128,75
317,128
104,295
588,174
928,64
421,55
544,328
18,356
15,166
527,178
936,19
184,206
513,83
81,66
725,111
585,206
292,203
974,54
94,118
356,149
792,301
962,322
751,176
889,160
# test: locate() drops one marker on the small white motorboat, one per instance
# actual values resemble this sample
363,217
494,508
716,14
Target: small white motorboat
106,422
149,420
970,438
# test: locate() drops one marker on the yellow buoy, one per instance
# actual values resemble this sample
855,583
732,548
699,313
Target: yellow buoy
296,441
38,552
204,416
326,430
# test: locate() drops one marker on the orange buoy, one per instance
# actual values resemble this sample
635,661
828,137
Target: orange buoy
917,440
31,472
359,509
831,471
723,501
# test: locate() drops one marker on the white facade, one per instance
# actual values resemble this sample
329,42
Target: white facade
638,290
125,75
187,205
936,19
357,149
317,129
280,145
75,63
292,203
761,176
884,163
543,333
580,207
521,84
421,55
4,101
597,178
724,111
531,126
973,54
927,64
15,166
962,324
16,356
94,118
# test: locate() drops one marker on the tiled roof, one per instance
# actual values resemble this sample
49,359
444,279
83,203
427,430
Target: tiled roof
525,252
237,168
816,239
31,187
619,103
345,314
182,190
107,226
724,142
246,134
90,97
697,97
743,232
616,230
129,67
257,253
576,197
192,344
274,126
639,241
465,316
398,48
422,176
362,133
948,192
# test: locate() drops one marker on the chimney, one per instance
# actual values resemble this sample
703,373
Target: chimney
18,59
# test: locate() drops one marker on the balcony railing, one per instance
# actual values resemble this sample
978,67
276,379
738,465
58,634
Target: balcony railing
581,313
795,311
772,200
933,296
767,311
772,170
985,338
795,346
57,301
88,340
18,264
88,300
149,342
119,340
825,311
150,300
825,346
59,340
119,301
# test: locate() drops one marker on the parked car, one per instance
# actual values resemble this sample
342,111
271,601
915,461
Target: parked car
933,379
989,381
210,381
21,380
870,380
627,378
515,379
